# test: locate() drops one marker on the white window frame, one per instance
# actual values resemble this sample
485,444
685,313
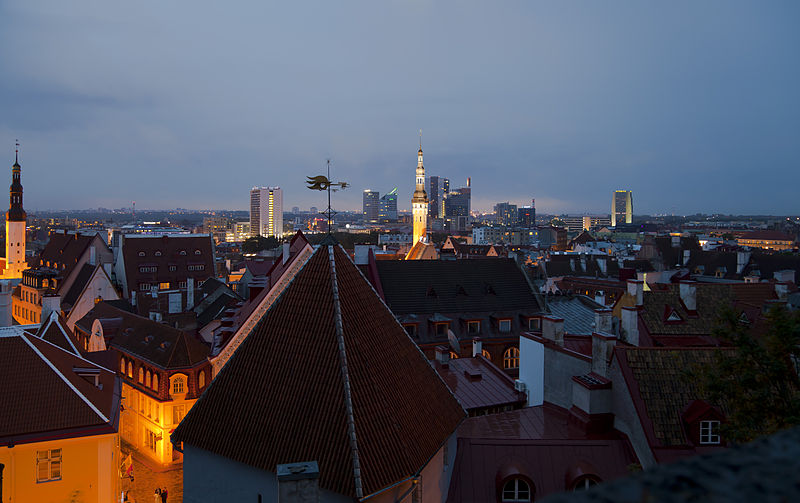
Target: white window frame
709,432
512,491
500,326
50,460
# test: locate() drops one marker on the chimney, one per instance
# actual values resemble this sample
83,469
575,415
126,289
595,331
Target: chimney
443,355
190,292
602,347
361,254
603,265
286,252
782,290
602,320
629,329
477,346
784,276
676,241
636,290
600,297
742,258
298,482
5,304
92,255
687,254
688,291
50,303
553,329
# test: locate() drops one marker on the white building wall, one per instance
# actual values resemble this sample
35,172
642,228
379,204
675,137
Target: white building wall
531,369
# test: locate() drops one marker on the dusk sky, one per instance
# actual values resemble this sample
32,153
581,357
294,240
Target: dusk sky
695,106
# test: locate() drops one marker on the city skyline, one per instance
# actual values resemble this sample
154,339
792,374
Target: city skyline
560,103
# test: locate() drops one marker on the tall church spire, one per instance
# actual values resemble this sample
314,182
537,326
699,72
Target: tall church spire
419,202
15,211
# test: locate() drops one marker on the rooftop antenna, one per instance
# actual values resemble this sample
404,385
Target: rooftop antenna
323,182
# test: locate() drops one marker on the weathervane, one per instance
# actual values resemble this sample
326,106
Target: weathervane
323,182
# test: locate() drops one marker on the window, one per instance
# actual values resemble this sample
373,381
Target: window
453,355
201,379
534,324
130,370
141,254
709,432
516,490
504,326
149,378
48,465
584,482
441,329
150,440
511,358
178,412
141,375
181,284
173,268
157,253
155,382
122,365
183,252
144,287
163,286
197,252
473,327
486,354
197,267
148,269
178,386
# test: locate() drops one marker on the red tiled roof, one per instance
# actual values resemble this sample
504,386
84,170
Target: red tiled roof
64,249
541,444
43,397
478,383
162,252
281,397
768,235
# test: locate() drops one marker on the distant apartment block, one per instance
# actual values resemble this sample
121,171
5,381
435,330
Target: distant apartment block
370,206
266,211
771,240
621,207
387,210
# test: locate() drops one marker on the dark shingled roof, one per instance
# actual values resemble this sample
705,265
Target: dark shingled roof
54,330
478,383
77,286
281,396
459,286
36,400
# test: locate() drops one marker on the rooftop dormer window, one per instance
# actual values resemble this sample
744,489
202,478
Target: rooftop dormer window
197,252
183,252
504,326
516,490
709,432
141,254
157,253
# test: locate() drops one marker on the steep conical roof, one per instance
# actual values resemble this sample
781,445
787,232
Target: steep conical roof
282,396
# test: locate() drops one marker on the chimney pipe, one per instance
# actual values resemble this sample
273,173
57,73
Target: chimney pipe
553,329
742,258
602,320
477,346
630,325
443,355
602,348
636,290
92,255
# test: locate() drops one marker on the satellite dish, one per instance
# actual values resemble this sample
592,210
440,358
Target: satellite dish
453,342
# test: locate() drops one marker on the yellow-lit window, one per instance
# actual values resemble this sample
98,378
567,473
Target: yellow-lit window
201,379
511,358
178,386
130,370
486,354
163,286
122,365
48,465
155,382
178,412
141,375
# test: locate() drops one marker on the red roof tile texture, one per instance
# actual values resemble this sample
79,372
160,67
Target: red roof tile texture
281,398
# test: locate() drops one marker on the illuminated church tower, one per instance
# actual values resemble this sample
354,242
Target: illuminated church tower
419,202
15,226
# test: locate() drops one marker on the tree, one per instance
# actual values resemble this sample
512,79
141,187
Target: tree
257,243
757,380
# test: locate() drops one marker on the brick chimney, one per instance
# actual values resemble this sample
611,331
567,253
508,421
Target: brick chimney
629,329
298,482
50,304
636,290
553,329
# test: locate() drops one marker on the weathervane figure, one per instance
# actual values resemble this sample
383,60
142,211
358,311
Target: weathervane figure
322,182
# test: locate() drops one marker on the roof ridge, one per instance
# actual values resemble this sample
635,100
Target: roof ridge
351,427
64,378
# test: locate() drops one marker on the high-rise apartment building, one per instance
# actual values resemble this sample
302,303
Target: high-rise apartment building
434,196
387,212
621,207
505,213
370,206
266,211
526,215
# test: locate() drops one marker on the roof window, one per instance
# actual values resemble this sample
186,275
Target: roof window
516,490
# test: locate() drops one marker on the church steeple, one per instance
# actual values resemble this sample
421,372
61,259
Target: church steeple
15,212
419,202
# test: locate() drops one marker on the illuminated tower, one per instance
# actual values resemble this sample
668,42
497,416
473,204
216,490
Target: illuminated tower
15,226
266,211
419,202
621,207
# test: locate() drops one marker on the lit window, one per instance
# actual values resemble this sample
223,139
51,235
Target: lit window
473,327
178,412
163,286
486,354
453,355
511,358
504,326
516,490
141,375
122,365
48,465
709,432
130,370
150,440
201,379
149,378
155,382
178,386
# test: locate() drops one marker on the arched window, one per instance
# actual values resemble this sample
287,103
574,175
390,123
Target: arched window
149,379
511,358
121,365
130,369
201,379
453,355
585,482
486,354
141,375
155,382
516,490
178,386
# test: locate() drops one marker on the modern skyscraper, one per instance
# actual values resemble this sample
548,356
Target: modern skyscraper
434,196
621,207
388,207
505,213
16,219
526,216
370,206
419,202
266,211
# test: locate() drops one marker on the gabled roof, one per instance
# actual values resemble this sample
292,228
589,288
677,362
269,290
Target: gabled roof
157,343
64,249
163,252
54,330
44,397
490,285
282,396
422,251
83,277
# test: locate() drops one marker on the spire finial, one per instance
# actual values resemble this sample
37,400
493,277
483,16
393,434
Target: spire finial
420,139
16,153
